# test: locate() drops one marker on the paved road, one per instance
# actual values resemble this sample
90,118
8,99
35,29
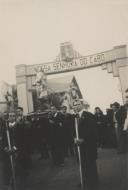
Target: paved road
112,169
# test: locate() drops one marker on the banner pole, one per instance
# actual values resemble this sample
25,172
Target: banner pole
79,154
11,157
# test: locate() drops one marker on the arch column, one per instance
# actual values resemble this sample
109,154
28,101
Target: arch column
119,67
21,81
122,65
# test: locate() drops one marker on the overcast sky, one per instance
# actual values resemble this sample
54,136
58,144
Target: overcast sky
31,31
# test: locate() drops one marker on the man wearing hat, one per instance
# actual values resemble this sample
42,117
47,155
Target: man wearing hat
116,108
122,119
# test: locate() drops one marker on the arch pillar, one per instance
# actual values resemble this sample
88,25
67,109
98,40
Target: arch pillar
24,96
122,65
119,67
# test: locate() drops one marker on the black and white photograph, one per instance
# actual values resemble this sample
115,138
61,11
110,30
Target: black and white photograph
63,94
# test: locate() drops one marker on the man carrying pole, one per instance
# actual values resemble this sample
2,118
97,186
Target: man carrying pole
78,141
86,140
8,152
11,150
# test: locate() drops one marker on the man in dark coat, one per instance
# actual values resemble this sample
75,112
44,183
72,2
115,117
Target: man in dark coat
43,137
122,119
101,127
68,123
57,139
6,150
115,110
23,159
121,115
88,145
111,135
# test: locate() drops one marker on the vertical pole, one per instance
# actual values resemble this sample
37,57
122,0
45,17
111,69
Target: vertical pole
11,157
79,155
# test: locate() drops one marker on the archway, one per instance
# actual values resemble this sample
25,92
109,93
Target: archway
113,61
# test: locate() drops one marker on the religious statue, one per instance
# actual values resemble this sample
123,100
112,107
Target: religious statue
40,77
74,91
41,82
67,101
10,101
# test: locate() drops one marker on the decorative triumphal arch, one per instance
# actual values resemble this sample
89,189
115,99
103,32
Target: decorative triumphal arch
114,61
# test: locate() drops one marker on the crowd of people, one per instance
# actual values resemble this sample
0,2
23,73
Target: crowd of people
112,127
54,137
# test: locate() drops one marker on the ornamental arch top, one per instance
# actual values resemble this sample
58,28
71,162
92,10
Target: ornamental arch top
114,61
